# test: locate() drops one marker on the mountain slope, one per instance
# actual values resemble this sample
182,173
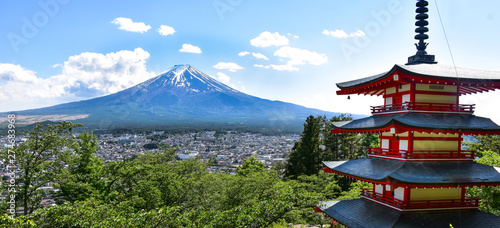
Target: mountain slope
182,95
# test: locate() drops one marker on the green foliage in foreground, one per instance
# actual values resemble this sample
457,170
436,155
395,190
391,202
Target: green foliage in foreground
148,193
156,190
488,150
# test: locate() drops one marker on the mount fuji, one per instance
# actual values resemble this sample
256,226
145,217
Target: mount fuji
181,96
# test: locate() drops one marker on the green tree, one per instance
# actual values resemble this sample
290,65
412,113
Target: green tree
488,150
156,190
485,143
82,177
489,195
304,159
9,222
345,146
38,161
251,165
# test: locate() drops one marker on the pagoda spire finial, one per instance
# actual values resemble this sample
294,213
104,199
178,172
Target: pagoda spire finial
422,16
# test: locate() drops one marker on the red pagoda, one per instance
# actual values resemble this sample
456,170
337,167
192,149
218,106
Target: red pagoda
420,172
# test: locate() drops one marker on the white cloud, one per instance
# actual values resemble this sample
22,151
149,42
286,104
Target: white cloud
108,73
86,75
296,57
284,67
190,49
254,54
223,78
259,56
232,67
293,36
11,72
301,56
267,39
341,34
165,30
243,53
262,66
128,25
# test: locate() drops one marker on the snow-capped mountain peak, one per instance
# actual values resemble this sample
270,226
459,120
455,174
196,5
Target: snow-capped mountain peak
188,78
181,96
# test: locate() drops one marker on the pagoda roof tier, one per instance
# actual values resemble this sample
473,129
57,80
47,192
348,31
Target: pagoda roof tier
470,81
420,122
360,213
377,170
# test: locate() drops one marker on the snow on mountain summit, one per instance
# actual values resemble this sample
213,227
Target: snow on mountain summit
181,96
188,78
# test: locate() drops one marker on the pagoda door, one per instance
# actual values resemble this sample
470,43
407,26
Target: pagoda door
388,191
397,102
394,145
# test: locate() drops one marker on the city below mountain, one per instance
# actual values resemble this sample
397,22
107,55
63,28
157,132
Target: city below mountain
181,97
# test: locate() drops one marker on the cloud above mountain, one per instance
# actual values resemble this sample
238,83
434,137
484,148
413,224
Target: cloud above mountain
128,25
267,39
166,30
189,48
232,67
85,75
339,33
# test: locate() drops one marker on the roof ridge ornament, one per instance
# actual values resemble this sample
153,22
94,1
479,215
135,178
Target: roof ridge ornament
421,56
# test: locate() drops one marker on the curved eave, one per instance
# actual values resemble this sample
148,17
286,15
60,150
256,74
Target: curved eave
364,213
469,84
429,123
376,170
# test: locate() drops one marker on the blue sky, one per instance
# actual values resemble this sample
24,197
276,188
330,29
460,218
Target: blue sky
54,51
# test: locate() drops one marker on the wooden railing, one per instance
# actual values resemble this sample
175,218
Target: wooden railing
420,204
445,203
460,108
438,154
382,198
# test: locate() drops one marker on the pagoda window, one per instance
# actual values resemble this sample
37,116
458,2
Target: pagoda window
399,193
388,101
385,143
406,98
403,145
379,189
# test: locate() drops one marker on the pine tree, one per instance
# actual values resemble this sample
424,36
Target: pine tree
304,159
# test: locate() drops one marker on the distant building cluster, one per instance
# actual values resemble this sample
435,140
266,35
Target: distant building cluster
230,148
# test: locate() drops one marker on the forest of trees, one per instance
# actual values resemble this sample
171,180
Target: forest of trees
157,190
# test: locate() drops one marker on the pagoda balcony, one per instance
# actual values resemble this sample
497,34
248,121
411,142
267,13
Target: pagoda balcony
389,200
420,204
424,107
444,203
405,154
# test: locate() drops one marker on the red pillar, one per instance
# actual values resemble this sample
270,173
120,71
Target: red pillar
410,143
407,195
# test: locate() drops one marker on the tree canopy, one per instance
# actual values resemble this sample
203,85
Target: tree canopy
156,190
